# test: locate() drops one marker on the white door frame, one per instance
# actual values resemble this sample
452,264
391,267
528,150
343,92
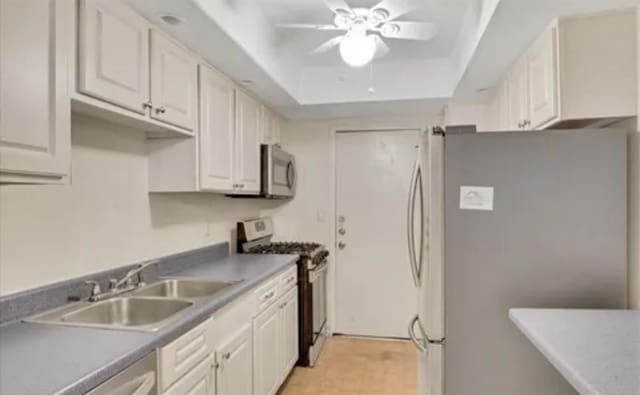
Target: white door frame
359,125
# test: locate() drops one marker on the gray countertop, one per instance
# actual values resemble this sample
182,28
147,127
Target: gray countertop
38,359
597,351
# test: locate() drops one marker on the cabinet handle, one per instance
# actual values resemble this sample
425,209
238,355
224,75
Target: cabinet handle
147,105
161,110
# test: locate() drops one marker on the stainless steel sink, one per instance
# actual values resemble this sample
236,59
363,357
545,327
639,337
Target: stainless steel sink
128,313
182,288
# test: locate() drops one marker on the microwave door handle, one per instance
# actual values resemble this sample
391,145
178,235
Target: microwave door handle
410,218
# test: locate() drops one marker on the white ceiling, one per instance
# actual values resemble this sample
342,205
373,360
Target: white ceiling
478,40
446,14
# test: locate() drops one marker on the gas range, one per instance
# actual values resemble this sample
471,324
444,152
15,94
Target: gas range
313,253
254,237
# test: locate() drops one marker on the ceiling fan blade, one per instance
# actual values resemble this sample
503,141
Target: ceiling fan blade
382,49
410,30
338,6
308,26
327,45
396,8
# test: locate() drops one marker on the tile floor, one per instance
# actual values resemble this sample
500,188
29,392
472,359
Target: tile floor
353,366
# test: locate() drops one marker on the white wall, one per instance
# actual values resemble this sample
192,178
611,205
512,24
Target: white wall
311,215
105,218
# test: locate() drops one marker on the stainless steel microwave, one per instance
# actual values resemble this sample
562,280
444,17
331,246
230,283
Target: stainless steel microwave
278,173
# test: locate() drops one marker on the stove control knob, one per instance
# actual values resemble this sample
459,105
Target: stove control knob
342,245
342,231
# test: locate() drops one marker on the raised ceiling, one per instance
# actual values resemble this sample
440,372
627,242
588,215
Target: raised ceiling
477,41
447,15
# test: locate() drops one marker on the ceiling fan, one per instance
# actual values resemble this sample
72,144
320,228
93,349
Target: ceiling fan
365,29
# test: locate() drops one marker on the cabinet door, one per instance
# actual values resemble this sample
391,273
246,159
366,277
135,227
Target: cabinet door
288,332
216,132
35,113
247,174
270,126
174,74
197,381
543,79
113,56
518,106
235,364
266,339
276,127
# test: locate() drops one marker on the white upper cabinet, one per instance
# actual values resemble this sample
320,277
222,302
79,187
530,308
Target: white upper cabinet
580,72
271,125
235,364
34,97
114,54
216,132
174,76
518,97
247,125
542,79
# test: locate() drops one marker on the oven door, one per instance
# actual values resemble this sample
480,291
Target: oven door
318,281
278,172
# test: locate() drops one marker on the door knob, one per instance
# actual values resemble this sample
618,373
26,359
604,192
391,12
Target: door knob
342,245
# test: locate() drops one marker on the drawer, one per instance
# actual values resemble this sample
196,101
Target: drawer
180,356
267,294
288,280
198,381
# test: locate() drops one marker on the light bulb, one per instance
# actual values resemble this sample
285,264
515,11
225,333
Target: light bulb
357,49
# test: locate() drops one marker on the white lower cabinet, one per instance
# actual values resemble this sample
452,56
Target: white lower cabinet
275,333
266,336
247,348
288,333
198,381
235,364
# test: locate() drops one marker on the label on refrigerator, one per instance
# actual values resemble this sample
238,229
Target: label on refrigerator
476,198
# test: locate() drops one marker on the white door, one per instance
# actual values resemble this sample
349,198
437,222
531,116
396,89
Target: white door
235,364
113,55
266,339
216,132
288,333
174,75
248,134
543,79
35,114
375,293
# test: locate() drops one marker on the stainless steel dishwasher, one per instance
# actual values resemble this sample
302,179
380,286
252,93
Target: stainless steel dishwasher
137,379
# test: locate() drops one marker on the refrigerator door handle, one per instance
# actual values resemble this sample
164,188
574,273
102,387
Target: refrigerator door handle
410,215
419,262
412,335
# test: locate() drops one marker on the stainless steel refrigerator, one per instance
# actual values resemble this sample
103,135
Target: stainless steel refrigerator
511,219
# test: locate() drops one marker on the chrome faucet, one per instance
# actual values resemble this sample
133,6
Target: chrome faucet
118,287
127,280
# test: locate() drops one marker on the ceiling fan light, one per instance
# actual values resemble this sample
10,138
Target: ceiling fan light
357,49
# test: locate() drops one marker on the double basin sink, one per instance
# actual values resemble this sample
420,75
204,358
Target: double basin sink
146,308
